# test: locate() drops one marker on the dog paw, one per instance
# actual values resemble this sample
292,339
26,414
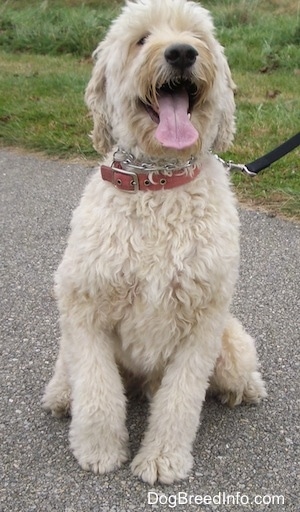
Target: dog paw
58,403
93,454
166,467
255,389
252,391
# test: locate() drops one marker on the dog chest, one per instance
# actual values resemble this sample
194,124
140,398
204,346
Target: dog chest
171,251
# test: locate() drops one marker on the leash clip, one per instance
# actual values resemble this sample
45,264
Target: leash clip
231,166
239,167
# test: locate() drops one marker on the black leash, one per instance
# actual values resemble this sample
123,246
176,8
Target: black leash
253,168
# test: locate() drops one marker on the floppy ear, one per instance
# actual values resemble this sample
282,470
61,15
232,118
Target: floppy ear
95,98
226,128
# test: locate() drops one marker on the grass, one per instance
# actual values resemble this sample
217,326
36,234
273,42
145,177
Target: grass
45,65
46,30
41,104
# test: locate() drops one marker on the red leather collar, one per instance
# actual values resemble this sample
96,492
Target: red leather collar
131,181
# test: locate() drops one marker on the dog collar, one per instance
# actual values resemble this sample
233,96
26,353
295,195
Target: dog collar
131,181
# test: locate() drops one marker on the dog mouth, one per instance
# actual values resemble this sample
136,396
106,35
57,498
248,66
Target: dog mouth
171,110
173,88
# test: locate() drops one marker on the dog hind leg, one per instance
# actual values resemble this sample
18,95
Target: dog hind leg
236,377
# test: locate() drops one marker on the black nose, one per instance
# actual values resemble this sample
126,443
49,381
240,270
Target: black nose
181,56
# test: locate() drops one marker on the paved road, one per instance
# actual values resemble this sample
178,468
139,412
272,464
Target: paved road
248,450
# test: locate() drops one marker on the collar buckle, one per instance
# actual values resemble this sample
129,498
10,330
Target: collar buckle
118,183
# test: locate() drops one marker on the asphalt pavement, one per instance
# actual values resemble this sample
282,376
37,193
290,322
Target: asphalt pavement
245,458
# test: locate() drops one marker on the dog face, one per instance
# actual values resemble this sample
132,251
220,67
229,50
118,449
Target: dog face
161,85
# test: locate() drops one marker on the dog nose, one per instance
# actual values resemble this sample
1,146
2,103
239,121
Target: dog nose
181,56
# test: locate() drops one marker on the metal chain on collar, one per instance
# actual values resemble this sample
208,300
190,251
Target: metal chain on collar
129,162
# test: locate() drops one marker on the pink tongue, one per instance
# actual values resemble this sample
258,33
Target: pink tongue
175,130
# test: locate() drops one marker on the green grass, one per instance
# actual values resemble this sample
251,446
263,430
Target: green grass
45,65
45,30
41,104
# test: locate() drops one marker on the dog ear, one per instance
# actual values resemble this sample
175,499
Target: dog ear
95,98
226,128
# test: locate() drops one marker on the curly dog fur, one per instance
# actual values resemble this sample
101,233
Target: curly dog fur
146,281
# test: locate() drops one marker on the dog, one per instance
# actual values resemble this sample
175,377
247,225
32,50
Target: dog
147,278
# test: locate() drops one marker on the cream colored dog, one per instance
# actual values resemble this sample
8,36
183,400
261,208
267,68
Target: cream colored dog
145,284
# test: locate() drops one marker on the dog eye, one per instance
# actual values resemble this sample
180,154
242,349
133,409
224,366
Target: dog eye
142,40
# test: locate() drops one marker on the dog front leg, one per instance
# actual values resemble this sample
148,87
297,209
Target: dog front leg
98,435
165,454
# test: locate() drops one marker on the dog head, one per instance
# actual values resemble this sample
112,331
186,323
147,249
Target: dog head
161,85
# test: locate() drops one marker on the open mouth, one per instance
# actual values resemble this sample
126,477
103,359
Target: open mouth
174,88
172,113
